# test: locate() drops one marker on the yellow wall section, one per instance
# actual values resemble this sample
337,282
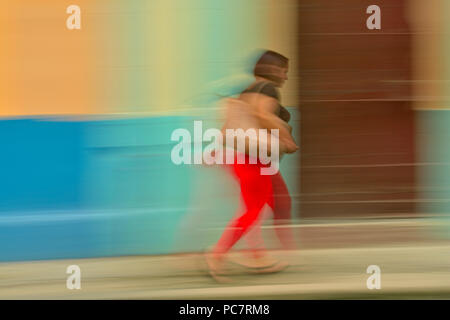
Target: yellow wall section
427,22
48,69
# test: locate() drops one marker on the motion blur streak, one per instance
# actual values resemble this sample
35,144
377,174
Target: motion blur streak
87,115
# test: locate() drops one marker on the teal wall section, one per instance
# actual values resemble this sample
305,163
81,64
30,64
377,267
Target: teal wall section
433,136
108,188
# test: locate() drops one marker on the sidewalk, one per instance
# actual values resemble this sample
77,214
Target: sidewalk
417,269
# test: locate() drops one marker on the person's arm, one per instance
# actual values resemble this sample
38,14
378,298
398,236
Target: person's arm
265,113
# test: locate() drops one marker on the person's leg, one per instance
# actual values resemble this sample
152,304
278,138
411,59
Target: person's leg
255,190
281,207
258,258
254,239
282,212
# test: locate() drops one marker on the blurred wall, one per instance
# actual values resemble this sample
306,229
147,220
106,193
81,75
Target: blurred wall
431,101
357,124
87,117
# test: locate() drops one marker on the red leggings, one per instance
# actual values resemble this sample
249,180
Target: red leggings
256,191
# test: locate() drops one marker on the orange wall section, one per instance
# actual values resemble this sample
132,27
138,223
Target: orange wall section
46,68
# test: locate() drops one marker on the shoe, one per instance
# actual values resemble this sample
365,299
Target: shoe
277,267
215,269
264,264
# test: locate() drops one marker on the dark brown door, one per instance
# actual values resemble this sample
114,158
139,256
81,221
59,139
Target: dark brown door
357,124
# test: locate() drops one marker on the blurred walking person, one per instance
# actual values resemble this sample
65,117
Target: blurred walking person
263,101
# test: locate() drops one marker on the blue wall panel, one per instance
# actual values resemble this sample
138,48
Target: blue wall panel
108,188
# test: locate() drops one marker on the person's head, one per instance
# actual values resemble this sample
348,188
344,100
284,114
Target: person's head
272,66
